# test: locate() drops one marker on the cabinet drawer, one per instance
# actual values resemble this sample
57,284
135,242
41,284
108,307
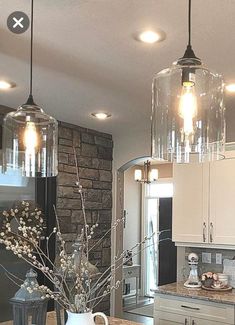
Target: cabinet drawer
211,311
131,272
163,318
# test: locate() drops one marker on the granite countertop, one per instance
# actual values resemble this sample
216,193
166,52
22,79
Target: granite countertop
51,320
178,289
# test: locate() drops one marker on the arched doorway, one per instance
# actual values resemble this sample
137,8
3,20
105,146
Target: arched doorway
117,236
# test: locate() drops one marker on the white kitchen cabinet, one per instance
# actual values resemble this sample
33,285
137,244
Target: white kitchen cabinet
190,203
204,203
163,318
180,310
222,202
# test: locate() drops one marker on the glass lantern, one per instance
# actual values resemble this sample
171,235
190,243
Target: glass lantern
188,122
30,142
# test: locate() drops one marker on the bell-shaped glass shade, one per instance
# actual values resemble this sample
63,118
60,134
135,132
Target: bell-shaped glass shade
188,123
30,141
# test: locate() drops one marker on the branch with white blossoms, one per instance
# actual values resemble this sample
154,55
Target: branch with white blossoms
78,285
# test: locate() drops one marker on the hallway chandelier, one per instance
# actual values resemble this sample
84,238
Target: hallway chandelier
30,136
147,175
188,123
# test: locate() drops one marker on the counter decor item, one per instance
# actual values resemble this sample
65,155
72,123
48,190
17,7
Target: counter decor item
27,303
215,282
193,280
77,285
223,278
208,279
128,258
229,269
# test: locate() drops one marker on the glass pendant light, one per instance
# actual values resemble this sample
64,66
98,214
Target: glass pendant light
188,123
30,136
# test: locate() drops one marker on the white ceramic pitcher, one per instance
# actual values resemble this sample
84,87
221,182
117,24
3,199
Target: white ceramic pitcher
84,318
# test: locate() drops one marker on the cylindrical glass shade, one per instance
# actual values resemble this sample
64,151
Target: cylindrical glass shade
153,175
30,140
188,122
138,175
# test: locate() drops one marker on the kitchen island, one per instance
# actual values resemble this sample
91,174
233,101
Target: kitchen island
175,304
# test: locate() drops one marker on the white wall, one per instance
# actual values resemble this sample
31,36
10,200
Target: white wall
132,205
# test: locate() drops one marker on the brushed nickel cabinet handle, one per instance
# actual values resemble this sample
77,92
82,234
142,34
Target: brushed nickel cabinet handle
185,321
188,307
204,232
211,232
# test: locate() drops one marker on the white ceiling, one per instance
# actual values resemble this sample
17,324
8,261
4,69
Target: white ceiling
86,59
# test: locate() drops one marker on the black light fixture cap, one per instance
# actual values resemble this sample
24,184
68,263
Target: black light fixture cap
30,101
189,57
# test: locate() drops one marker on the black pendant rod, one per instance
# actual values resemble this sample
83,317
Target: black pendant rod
189,22
189,53
31,52
30,100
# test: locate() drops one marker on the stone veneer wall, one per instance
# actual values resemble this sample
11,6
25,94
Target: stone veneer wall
94,153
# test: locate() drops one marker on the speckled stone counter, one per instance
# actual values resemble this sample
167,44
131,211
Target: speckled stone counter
178,289
51,320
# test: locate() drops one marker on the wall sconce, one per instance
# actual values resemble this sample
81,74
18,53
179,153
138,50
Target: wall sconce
147,175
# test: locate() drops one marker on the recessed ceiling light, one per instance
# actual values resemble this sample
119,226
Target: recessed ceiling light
150,36
230,88
101,115
6,85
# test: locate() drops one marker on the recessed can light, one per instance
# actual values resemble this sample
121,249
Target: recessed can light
230,87
4,85
150,36
101,115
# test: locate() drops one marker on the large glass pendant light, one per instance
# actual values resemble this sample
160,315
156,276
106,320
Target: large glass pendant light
30,136
188,122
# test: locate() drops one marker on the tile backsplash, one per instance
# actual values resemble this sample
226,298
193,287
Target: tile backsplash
205,267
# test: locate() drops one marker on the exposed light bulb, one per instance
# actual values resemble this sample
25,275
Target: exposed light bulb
188,107
30,137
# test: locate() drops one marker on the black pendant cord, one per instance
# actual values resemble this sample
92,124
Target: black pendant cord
30,100
189,53
189,21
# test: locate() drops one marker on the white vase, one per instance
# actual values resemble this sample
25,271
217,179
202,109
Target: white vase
84,318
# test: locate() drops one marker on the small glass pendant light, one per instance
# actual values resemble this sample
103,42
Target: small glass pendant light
188,123
30,136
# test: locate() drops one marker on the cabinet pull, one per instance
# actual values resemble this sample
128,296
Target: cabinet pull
188,307
204,232
193,322
185,321
211,232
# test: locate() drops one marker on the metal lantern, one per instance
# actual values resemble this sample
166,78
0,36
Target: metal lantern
28,306
188,123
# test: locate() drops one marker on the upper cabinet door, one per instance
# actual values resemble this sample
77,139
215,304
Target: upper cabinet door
222,202
190,203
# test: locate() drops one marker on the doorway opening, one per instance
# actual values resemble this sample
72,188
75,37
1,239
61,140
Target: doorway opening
147,209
